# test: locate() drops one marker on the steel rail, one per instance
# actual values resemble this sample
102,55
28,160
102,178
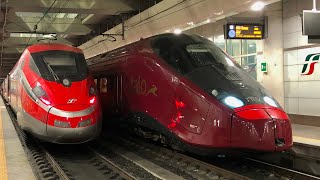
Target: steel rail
112,165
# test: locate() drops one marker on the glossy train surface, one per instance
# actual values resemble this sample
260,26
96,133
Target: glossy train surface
190,93
53,95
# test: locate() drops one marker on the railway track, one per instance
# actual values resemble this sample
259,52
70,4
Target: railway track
82,163
285,171
202,168
182,165
63,162
115,159
295,160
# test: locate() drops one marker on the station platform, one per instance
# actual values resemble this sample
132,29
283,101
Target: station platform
304,134
14,164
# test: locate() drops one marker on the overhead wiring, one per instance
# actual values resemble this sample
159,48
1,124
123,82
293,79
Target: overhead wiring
55,17
35,27
147,20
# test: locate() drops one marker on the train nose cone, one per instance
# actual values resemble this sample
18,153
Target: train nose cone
261,129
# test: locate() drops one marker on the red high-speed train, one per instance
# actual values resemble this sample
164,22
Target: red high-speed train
53,94
183,90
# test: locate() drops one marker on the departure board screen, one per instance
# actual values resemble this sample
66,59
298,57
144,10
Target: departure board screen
244,31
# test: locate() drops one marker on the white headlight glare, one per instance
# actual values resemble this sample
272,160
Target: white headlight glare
233,102
270,101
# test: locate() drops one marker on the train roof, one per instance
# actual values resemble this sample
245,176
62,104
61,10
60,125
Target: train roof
52,46
126,49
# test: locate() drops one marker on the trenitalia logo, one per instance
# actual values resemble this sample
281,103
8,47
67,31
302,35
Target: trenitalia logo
311,60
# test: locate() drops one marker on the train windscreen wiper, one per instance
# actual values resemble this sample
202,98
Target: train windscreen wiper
55,76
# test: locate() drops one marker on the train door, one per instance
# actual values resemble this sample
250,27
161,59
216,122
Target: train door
9,89
110,89
104,95
118,106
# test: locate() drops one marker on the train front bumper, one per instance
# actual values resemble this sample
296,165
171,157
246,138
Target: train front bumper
73,135
261,129
68,127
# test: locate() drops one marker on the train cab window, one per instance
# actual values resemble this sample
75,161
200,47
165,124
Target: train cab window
173,54
64,64
163,47
103,85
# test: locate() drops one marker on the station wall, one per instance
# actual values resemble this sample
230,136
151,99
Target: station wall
302,92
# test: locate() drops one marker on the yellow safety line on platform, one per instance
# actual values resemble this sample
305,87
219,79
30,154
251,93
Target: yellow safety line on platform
3,162
306,140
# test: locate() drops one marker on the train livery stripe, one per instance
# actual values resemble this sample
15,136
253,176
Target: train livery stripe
50,109
3,162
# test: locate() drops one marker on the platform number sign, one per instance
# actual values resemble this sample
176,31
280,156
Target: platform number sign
264,67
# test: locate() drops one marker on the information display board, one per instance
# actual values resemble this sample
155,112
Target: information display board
244,31
311,23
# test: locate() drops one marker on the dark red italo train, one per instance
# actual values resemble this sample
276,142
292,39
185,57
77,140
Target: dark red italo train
184,90
53,94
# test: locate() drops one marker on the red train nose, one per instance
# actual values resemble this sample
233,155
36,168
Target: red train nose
261,129
73,123
72,116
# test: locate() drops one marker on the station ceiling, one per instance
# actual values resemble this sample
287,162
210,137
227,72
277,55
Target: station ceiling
74,22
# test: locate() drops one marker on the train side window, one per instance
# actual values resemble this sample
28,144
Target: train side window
110,83
103,85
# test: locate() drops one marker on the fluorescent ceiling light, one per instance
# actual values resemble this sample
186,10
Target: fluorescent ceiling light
49,36
49,15
190,23
257,6
25,35
33,35
177,31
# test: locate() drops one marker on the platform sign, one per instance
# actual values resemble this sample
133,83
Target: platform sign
264,67
244,31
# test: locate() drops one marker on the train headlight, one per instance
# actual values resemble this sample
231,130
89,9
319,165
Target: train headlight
84,123
61,124
66,82
270,101
41,94
92,91
92,94
233,102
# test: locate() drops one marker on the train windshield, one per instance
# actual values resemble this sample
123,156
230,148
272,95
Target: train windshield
53,65
206,65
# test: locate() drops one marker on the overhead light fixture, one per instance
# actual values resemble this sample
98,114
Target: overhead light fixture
257,6
177,31
53,35
208,20
190,23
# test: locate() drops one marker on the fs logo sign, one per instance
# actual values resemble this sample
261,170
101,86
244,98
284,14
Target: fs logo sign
310,62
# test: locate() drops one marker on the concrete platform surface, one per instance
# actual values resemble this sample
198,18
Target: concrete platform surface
306,134
14,163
